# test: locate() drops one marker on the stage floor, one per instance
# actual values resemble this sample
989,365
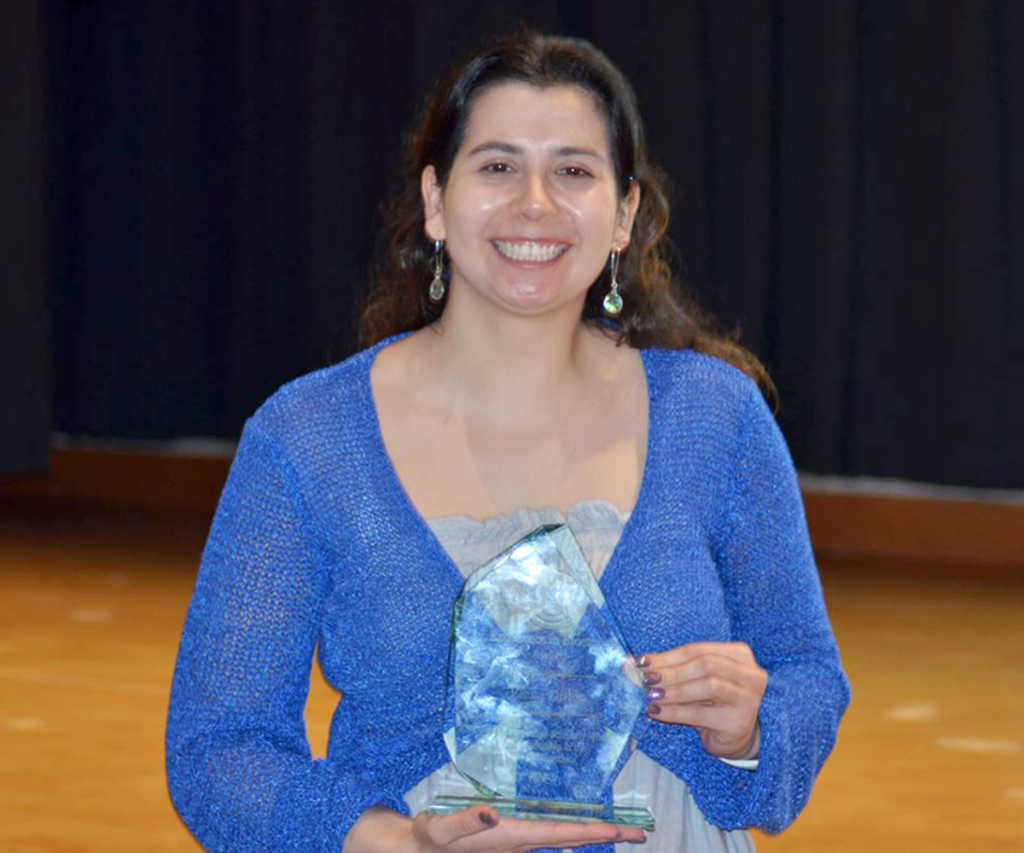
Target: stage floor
930,757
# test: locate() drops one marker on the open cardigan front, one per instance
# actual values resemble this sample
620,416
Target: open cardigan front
316,542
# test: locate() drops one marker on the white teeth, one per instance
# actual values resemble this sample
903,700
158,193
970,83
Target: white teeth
533,252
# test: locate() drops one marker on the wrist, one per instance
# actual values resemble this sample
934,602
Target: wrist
749,753
753,748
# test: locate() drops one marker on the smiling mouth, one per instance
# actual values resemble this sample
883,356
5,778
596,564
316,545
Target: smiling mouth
529,251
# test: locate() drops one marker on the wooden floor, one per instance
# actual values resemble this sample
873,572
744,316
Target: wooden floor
931,755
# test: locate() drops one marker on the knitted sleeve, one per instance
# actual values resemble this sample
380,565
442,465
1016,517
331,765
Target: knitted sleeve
775,599
239,767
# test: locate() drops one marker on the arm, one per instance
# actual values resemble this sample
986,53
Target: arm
783,702
775,598
239,767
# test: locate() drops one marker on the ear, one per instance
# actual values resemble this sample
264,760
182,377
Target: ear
433,209
627,213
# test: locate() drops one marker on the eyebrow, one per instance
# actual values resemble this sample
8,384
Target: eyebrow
509,148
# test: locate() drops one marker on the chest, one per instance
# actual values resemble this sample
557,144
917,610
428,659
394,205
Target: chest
462,464
459,469
460,445
388,617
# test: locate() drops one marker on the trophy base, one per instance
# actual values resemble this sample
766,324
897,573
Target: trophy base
550,810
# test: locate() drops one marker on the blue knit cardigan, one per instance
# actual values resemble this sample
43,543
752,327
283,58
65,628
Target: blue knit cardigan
316,545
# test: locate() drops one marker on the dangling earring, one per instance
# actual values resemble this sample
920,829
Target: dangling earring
613,300
437,285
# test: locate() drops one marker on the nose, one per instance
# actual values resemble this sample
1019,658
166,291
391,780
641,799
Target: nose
535,199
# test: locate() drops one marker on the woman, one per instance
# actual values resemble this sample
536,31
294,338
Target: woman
508,380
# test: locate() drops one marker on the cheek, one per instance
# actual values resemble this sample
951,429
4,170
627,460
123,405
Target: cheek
595,220
468,210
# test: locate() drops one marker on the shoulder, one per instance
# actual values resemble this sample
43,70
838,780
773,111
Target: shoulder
700,382
320,399
309,396
705,408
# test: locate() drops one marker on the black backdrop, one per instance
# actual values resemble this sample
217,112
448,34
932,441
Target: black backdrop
24,354
847,192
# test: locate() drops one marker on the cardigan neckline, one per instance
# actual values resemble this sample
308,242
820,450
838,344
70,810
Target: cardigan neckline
420,524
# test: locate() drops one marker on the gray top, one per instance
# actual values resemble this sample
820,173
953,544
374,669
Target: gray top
597,526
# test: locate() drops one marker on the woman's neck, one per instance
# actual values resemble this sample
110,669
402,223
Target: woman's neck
506,361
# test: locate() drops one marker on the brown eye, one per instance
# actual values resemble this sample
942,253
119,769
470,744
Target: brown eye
575,172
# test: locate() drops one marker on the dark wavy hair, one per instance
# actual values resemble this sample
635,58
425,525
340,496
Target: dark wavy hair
655,313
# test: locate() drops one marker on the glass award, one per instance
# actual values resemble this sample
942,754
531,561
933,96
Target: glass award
545,703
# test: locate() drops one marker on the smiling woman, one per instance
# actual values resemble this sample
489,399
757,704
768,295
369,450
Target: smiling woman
508,382
656,312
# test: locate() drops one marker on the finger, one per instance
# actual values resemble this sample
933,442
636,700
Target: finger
631,837
529,834
632,834
596,833
738,651
749,676
710,690
458,830
718,671
706,717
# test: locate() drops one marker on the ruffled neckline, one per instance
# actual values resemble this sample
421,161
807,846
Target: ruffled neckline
471,542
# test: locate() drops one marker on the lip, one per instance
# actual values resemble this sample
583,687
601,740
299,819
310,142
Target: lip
531,241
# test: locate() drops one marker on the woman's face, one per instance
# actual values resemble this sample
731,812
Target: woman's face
530,211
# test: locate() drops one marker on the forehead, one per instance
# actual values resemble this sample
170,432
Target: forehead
519,113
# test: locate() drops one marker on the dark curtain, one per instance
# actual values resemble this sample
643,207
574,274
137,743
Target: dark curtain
24,332
846,193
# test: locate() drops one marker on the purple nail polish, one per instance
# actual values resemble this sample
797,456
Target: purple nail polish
643,661
655,694
488,819
652,677
654,710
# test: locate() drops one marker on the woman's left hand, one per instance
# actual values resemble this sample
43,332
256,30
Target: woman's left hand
715,687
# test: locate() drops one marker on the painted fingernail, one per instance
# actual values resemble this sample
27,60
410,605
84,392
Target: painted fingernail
488,819
654,710
655,694
652,677
643,661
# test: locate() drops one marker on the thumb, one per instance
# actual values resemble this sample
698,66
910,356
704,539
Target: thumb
463,824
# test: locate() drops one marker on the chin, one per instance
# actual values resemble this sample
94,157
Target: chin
527,299
536,304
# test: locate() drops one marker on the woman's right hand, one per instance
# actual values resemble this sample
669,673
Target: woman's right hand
475,830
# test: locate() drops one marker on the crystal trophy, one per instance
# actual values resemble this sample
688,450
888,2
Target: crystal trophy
545,703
